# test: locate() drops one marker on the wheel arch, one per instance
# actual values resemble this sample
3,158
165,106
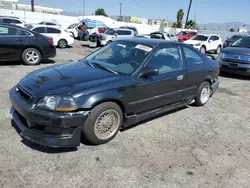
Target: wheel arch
32,46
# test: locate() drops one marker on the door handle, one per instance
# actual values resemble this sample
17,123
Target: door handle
180,77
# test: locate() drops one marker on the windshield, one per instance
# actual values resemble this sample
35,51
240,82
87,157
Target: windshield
110,32
200,38
243,42
183,33
235,37
120,56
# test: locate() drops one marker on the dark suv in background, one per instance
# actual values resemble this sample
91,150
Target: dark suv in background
231,40
236,58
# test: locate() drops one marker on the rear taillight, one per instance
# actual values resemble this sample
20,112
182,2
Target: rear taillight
51,42
25,25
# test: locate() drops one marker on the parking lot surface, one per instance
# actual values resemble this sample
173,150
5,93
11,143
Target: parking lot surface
194,147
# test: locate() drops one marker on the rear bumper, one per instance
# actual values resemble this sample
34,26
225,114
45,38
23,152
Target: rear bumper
49,52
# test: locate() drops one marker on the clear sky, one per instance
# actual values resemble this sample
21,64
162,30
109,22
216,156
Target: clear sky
206,11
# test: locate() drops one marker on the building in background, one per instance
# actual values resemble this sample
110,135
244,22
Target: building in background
15,5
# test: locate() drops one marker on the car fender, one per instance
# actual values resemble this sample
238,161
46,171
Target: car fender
94,99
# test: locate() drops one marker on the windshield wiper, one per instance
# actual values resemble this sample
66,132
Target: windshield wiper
105,68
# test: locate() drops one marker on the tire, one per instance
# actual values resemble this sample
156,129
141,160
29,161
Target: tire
62,43
203,49
109,42
101,116
218,50
199,100
31,56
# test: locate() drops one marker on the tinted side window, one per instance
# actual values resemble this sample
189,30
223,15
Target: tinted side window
53,30
7,31
48,23
17,21
122,32
39,29
166,59
191,57
6,20
216,38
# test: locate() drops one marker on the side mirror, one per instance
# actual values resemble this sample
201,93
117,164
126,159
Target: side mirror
148,72
116,34
210,41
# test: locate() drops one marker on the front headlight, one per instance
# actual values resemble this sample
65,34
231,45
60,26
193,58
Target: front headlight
58,103
221,56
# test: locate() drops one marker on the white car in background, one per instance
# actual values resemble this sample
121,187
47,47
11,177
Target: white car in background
60,37
206,43
12,20
112,34
73,30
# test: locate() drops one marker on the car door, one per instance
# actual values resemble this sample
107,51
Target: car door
212,43
12,42
165,88
196,70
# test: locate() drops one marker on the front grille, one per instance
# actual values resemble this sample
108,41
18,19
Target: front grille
239,68
23,93
236,57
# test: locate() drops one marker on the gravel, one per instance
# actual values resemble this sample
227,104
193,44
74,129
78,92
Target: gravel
193,147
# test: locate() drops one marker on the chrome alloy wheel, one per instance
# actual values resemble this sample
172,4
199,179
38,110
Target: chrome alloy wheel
205,94
32,57
107,124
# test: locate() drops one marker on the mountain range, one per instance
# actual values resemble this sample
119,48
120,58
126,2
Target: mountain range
223,26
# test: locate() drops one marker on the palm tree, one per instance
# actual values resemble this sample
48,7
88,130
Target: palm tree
32,6
190,4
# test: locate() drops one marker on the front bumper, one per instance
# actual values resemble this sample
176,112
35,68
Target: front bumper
52,129
240,69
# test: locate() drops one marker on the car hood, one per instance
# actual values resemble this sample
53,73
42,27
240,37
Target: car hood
106,35
194,42
237,50
66,79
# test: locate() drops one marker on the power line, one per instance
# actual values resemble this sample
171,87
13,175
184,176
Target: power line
121,3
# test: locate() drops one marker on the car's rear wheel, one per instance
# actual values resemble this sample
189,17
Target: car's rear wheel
203,94
203,49
31,56
218,50
72,34
103,123
62,43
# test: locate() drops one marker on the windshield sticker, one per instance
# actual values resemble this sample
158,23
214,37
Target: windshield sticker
144,48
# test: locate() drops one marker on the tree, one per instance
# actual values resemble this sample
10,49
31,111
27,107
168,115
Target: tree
232,30
191,24
100,11
173,25
189,7
180,15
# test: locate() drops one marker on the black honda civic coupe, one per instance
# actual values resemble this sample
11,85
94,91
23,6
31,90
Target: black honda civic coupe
116,86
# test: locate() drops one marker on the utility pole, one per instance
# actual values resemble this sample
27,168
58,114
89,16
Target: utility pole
83,7
190,4
32,6
121,11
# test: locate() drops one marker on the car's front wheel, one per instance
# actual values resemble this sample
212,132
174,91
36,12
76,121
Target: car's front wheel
103,123
218,50
31,56
203,94
203,50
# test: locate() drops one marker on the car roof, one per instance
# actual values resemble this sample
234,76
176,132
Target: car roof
123,29
10,17
150,42
12,25
41,25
